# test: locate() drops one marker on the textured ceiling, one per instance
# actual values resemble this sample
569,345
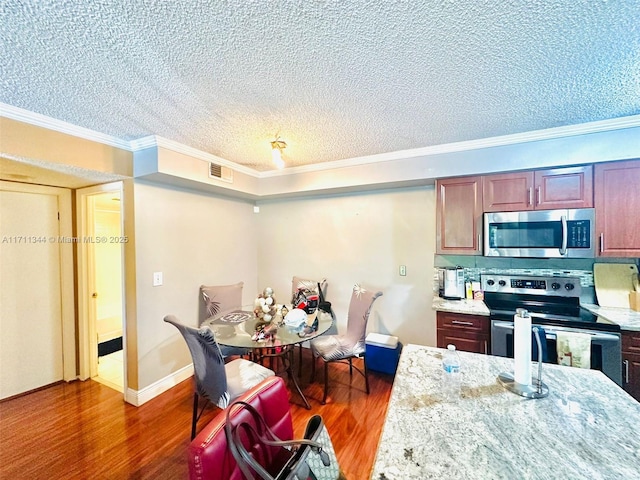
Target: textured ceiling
28,170
335,79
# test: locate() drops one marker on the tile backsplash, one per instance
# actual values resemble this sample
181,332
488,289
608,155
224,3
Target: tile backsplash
585,276
474,266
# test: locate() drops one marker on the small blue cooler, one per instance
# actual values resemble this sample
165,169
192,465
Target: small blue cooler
383,353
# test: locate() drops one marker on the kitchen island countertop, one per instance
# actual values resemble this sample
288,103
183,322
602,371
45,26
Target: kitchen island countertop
585,428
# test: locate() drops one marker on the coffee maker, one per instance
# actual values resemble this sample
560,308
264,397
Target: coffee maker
451,283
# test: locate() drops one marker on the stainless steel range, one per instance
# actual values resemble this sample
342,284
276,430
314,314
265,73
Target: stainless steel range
554,305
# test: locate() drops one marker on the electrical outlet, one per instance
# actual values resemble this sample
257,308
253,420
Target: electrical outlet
403,270
157,279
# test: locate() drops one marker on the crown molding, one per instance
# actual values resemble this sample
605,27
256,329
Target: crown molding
39,120
157,141
525,137
143,143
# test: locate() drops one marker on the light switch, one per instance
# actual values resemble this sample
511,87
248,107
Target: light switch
157,279
403,270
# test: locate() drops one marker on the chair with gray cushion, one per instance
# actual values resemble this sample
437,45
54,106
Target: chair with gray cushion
217,299
319,287
346,347
216,381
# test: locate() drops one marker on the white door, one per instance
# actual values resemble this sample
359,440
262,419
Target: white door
31,323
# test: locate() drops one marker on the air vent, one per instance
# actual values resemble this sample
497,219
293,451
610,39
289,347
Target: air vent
220,172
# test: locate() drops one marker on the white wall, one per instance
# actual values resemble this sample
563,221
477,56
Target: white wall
108,259
353,238
193,239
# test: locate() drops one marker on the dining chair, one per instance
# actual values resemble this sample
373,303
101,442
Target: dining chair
344,348
320,287
216,299
216,381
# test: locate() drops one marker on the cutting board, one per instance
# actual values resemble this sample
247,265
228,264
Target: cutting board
613,282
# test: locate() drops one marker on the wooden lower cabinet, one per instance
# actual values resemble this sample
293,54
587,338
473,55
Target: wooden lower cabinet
469,333
631,363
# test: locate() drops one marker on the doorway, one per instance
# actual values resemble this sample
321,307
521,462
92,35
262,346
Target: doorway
101,287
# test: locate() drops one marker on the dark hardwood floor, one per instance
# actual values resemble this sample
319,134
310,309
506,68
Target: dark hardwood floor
86,430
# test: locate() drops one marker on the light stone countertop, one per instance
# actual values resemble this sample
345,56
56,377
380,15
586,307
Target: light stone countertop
586,428
472,307
625,317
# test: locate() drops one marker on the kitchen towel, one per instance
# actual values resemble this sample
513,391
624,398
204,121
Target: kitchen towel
574,349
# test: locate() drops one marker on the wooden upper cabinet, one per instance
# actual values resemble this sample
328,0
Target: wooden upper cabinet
459,216
617,201
570,187
507,192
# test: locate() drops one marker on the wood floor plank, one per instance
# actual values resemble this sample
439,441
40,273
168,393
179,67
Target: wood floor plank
85,430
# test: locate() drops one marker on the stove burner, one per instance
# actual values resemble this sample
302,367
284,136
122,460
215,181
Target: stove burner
549,301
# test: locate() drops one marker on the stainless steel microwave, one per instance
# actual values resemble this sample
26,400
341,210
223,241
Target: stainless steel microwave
540,234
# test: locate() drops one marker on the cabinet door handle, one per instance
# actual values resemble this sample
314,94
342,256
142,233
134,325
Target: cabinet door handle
626,371
459,322
531,196
602,242
538,195
486,347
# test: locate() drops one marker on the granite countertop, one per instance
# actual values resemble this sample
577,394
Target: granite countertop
585,428
473,307
625,317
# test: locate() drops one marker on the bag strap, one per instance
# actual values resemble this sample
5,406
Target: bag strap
244,458
228,431
256,416
312,431
293,465
320,294
297,442
238,451
299,446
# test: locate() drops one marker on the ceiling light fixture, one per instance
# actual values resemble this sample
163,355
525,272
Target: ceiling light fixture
276,152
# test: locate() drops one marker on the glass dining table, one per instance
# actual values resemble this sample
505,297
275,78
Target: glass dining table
241,328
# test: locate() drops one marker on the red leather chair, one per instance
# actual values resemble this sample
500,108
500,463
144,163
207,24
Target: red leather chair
209,457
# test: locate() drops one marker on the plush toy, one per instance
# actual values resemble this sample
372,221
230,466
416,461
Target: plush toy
265,305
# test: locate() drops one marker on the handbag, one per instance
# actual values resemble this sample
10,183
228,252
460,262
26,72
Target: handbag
326,468
270,458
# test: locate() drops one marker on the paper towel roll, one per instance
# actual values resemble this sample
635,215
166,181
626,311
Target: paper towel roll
522,347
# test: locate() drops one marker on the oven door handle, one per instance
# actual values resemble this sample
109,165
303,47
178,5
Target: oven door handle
550,331
565,235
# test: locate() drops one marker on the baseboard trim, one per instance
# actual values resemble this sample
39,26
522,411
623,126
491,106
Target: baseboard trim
139,397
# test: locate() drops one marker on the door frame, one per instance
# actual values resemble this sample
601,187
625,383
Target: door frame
65,243
87,332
